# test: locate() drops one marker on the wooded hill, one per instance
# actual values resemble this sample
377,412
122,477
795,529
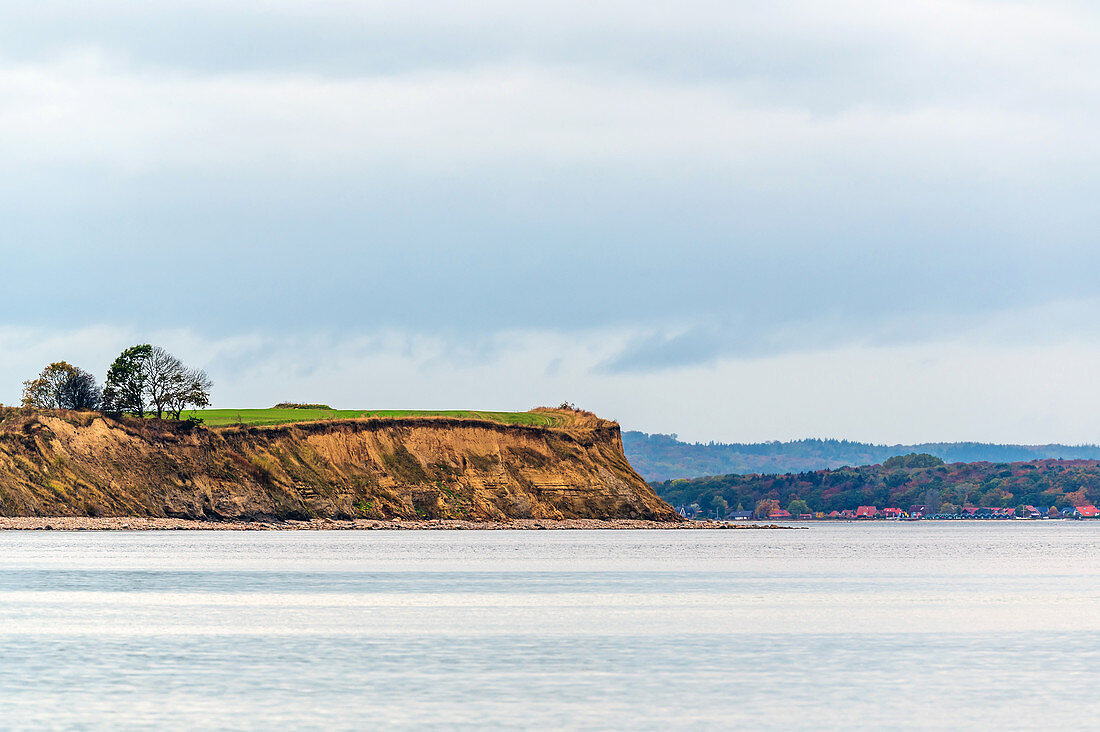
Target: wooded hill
663,457
901,482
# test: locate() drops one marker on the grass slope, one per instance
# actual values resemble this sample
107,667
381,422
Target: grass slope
256,417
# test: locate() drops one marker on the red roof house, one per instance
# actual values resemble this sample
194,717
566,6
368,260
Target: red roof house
1088,511
866,512
778,513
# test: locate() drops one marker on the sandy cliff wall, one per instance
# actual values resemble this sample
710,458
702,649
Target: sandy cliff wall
70,464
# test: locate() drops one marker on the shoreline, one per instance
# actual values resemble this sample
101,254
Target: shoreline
138,523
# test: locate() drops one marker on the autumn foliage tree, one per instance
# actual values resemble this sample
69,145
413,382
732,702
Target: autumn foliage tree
62,386
765,507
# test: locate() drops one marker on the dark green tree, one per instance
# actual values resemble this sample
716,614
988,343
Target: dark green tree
124,390
720,506
797,506
913,460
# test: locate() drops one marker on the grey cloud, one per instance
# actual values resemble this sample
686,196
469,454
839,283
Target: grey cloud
432,257
720,182
661,351
820,56
670,349
820,174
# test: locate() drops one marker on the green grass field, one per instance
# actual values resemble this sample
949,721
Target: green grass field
255,417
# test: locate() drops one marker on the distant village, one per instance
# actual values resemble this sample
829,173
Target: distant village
915,513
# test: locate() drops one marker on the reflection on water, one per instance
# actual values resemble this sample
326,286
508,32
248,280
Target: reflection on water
883,625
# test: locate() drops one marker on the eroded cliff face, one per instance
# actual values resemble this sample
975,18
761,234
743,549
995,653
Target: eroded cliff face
68,464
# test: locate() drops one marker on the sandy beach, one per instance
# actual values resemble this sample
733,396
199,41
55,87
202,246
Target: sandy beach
132,523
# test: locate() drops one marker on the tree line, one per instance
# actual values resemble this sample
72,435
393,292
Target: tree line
143,380
900,481
664,457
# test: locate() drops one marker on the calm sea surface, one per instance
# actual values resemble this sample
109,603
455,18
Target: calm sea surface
899,625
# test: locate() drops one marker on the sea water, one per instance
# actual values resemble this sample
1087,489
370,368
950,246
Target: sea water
917,625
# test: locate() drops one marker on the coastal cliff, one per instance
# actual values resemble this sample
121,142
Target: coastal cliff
84,464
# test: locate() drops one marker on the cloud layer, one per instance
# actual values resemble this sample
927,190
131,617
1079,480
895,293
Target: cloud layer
688,189
956,388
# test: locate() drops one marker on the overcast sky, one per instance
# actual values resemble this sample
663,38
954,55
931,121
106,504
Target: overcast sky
730,220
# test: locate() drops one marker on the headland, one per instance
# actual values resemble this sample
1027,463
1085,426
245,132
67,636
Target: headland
550,465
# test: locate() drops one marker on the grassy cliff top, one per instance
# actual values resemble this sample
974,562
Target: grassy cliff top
258,417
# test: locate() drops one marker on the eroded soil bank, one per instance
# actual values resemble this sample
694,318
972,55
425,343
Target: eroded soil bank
87,465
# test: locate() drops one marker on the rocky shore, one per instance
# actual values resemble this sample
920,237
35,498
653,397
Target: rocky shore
129,523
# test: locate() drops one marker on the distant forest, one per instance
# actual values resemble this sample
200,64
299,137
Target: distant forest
901,483
663,457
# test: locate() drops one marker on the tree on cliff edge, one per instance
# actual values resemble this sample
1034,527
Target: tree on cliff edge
173,387
150,375
193,392
61,386
124,390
